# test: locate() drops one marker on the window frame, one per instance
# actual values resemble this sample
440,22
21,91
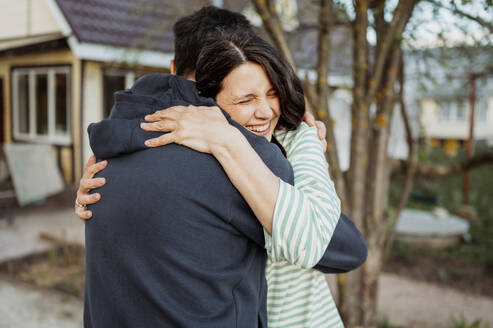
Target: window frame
52,137
482,110
445,111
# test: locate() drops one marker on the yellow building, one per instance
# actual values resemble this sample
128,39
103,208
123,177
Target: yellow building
62,60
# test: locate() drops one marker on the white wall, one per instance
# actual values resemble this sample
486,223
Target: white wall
434,128
92,102
340,110
23,18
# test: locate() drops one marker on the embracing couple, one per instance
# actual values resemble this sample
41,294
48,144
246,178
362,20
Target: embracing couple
216,208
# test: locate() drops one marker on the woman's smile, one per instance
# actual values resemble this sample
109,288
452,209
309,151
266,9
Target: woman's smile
260,130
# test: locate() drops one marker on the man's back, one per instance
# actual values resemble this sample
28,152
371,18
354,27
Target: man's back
173,243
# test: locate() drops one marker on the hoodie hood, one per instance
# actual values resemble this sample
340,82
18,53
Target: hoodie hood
120,133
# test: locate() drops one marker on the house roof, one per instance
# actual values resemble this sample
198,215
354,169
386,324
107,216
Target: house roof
303,43
138,24
147,25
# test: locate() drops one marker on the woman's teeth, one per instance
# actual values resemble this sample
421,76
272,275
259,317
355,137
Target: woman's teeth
258,128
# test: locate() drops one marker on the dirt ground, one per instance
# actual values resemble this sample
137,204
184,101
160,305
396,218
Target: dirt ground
26,306
405,301
465,276
411,303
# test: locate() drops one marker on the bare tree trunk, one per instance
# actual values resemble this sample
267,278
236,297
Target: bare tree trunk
360,116
377,188
322,111
350,291
369,171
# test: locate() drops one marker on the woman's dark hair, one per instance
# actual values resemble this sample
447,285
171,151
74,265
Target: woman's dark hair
226,51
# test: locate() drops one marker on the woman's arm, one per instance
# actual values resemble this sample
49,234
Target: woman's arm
206,129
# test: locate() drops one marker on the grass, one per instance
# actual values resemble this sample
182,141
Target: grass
461,322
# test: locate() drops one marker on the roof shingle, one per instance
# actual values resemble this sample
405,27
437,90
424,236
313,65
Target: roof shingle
141,24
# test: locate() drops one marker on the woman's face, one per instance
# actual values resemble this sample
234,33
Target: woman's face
249,98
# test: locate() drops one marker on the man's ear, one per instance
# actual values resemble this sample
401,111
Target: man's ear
172,67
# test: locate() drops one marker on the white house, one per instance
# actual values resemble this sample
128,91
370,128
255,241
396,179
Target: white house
62,60
442,86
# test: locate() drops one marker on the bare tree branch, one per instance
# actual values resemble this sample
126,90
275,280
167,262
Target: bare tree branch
440,171
272,24
359,116
401,16
412,147
310,92
436,171
455,10
323,55
322,111
378,170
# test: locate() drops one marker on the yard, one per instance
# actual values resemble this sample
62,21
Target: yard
468,266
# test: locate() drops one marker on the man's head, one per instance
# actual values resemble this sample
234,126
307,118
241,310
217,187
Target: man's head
191,33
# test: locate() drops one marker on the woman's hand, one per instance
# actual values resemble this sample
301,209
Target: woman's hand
309,119
203,129
87,183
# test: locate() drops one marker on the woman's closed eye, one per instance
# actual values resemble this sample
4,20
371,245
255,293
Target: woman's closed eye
245,100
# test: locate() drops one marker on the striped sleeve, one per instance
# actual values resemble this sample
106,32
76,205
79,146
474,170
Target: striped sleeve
306,214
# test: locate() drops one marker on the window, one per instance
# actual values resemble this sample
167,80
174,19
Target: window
458,110
41,104
481,114
462,110
454,110
115,80
445,111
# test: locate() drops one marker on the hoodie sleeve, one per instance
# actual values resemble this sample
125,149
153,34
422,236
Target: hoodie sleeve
347,249
307,213
113,137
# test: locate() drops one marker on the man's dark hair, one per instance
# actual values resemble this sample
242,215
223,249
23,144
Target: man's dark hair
224,52
191,32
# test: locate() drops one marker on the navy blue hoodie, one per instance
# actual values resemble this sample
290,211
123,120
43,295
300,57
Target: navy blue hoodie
173,244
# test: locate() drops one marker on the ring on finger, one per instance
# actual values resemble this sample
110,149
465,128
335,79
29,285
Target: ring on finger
79,205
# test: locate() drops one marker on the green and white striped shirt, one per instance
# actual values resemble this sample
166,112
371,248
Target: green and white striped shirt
304,220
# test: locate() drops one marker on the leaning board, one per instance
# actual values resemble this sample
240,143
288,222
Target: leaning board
34,171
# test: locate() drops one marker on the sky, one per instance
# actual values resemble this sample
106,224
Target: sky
454,29
431,29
